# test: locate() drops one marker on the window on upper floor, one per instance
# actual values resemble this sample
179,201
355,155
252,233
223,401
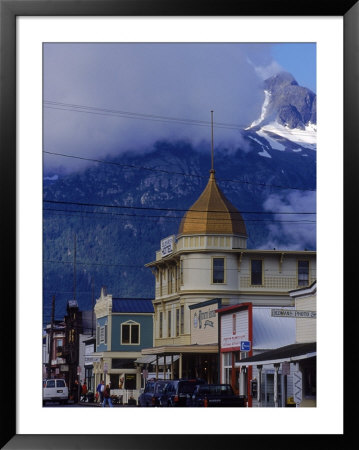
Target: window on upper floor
303,273
218,270
177,322
130,333
182,319
161,325
256,272
169,324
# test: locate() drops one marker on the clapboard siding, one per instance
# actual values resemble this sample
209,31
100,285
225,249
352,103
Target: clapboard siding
241,328
306,329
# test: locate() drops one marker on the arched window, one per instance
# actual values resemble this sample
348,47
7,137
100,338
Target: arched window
130,333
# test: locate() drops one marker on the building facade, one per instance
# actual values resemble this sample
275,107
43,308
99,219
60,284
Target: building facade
292,366
123,328
208,259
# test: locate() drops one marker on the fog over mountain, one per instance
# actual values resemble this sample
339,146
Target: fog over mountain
135,199
106,99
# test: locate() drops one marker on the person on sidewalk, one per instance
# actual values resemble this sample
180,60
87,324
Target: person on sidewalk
107,396
84,392
100,389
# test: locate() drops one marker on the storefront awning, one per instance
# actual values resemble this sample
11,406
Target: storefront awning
152,360
184,349
289,353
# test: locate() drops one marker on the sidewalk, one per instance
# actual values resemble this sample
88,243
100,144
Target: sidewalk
94,404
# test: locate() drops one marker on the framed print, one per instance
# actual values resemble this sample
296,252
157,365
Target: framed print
61,114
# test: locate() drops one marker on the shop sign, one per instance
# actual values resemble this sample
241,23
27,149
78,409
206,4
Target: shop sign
204,319
293,314
64,368
167,245
232,341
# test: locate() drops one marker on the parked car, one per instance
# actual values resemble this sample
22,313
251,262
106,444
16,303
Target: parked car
152,392
55,390
176,391
214,395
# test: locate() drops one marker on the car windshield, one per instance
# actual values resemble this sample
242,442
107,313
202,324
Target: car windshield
60,383
215,390
187,388
160,387
50,383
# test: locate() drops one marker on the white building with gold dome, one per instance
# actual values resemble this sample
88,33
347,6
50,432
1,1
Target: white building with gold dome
207,266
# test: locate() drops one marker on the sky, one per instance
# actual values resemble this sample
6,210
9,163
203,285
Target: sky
169,81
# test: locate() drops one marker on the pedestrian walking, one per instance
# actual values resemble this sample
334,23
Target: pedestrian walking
84,392
100,389
107,397
76,391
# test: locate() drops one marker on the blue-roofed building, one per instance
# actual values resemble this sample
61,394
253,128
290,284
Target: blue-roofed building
124,326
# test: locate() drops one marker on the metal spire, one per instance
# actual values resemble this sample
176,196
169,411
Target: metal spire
212,169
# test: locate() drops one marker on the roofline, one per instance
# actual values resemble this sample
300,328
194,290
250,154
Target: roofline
311,289
232,250
206,303
176,349
276,361
234,307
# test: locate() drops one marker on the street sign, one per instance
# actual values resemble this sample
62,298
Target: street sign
245,346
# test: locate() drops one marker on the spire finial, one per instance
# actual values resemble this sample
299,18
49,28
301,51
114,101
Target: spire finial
212,168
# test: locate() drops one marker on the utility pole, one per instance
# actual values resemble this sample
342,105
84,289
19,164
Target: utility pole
75,266
93,305
51,335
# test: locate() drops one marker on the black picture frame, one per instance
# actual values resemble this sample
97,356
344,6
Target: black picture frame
9,10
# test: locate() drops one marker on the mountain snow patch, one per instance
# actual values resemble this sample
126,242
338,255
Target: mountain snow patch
264,153
272,142
263,112
306,138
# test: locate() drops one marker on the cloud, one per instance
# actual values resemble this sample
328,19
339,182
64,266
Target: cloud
296,229
171,80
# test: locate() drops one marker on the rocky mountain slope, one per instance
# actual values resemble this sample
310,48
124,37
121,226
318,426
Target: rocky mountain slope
120,211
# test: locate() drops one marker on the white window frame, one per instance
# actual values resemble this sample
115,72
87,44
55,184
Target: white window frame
130,323
224,269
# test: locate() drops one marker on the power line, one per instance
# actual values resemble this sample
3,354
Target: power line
132,166
64,212
143,116
147,208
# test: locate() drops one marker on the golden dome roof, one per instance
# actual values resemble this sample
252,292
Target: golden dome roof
212,213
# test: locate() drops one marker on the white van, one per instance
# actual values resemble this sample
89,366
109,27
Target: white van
55,390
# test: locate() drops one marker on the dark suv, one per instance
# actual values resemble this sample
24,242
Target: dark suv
152,392
176,391
214,395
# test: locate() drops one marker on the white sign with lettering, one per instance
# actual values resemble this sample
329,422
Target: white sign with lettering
294,314
167,245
